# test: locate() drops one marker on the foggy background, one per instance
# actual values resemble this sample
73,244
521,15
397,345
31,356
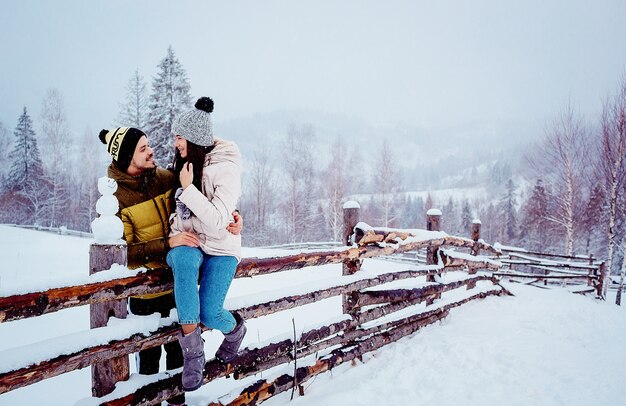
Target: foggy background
427,64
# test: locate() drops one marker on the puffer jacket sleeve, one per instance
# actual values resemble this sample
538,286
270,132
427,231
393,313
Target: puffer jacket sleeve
215,212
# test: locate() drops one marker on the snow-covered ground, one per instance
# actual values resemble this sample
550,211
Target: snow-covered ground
547,347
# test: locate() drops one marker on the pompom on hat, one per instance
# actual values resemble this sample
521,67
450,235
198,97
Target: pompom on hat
121,143
195,125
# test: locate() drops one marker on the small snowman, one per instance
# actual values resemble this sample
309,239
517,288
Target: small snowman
107,227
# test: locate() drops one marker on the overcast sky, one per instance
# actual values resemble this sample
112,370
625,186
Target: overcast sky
426,63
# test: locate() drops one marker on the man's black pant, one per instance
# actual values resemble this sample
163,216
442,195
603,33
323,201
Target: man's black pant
149,358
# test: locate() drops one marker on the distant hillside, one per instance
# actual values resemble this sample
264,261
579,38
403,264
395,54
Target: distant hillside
443,157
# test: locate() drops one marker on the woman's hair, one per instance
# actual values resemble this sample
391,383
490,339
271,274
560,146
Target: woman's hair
196,155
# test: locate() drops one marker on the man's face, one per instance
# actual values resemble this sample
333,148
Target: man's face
143,158
181,145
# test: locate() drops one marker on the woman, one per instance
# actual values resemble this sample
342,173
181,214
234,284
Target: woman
209,171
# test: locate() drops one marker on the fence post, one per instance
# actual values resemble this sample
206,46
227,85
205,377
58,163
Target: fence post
591,272
603,275
475,249
105,374
351,213
476,224
433,223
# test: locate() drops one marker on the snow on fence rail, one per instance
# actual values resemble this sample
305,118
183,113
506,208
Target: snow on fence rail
369,310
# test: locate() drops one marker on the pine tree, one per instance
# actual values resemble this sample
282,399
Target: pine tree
507,213
534,227
25,158
466,219
134,111
594,220
429,203
27,188
450,217
170,97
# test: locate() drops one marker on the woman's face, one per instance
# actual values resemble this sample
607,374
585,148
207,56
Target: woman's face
181,145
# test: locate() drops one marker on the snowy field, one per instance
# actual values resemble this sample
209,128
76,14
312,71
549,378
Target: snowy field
544,347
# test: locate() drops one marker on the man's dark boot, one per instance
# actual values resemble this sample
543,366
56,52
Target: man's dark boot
232,341
193,359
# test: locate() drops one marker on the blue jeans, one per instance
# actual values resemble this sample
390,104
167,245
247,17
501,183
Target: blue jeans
206,304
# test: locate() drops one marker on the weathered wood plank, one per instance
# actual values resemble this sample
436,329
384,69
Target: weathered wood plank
29,375
106,373
165,388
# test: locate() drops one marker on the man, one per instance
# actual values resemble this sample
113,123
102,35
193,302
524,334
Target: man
146,201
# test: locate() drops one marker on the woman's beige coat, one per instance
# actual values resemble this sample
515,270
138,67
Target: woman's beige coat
212,207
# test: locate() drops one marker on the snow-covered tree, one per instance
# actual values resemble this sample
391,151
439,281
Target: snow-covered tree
594,221
500,173
429,203
414,214
334,186
297,160
490,223
385,181
612,167
170,96
562,160
6,145
87,182
466,219
24,201
450,217
25,157
134,111
56,144
534,225
261,195
507,213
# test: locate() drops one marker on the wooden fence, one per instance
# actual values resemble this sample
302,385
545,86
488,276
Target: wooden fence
349,338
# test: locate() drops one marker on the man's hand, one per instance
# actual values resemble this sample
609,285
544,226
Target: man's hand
236,227
184,238
186,175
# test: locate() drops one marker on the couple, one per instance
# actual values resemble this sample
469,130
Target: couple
185,218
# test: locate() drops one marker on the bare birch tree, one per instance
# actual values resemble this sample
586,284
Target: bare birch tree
561,159
55,151
87,181
334,187
298,164
612,168
385,180
262,191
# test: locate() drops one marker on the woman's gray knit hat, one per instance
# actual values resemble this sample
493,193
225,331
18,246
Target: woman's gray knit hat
195,125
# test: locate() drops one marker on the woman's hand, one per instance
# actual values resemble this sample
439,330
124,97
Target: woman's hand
236,227
184,238
186,175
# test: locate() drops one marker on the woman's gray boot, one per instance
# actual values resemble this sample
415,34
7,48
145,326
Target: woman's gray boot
232,341
193,359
